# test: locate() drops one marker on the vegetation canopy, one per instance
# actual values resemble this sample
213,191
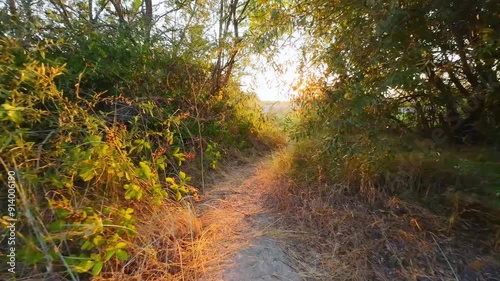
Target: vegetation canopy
116,114
107,107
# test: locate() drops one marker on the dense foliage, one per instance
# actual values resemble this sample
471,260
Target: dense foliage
408,99
107,106
419,65
103,105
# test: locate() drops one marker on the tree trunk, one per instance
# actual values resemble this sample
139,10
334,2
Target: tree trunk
13,9
218,65
119,10
148,18
91,8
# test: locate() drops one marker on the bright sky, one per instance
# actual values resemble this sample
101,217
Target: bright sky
262,78
268,83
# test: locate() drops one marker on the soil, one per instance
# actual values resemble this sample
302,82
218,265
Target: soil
248,246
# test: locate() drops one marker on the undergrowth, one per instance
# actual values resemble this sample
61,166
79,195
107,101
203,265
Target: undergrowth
378,201
101,153
343,234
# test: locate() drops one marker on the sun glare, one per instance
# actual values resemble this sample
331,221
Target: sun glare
273,83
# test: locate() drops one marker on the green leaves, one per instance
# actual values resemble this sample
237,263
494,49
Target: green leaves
31,253
56,226
84,266
133,191
140,145
94,264
179,189
183,177
171,181
87,172
117,250
213,154
179,155
94,140
96,269
136,5
96,241
146,171
127,213
121,255
158,194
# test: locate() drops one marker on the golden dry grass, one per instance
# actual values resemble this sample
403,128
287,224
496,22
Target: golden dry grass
346,237
229,213
195,240
162,248
327,234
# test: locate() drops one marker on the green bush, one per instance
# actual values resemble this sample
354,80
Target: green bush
96,128
78,173
344,141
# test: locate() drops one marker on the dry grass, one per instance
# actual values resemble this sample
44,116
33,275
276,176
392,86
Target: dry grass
163,247
226,212
327,234
344,237
188,240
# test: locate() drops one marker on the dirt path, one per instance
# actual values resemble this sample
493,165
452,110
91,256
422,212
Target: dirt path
243,240
253,231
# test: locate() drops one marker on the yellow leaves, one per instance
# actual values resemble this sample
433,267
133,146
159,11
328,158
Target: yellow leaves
77,85
42,70
94,225
48,71
118,250
5,221
146,170
87,264
14,113
178,195
127,214
139,145
170,138
182,175
98,240
179,155
348,96
87,172
84,266
120,245
133,191
180,189
219,96
170,180
487,34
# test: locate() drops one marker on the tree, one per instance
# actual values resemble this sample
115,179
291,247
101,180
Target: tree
438,58
231,14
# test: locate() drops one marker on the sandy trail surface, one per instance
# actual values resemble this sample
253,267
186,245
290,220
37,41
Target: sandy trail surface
245,242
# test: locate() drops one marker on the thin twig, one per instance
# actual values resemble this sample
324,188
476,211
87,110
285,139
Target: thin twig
447,261
40,148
